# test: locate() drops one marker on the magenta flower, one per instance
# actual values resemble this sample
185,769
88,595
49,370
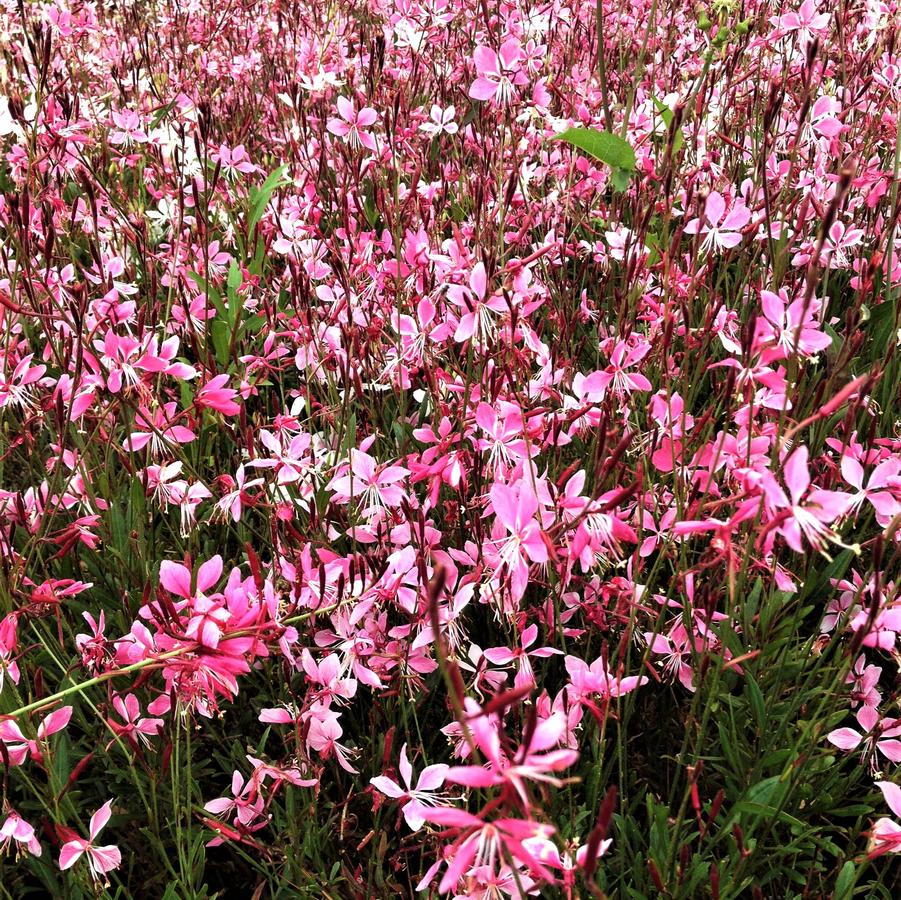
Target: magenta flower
207,613
521,540
352,124
721,230
100,859
877,734
499,74
808,513
533,761
885,836
214,395
480,847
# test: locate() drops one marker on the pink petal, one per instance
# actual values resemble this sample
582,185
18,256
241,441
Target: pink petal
892,794
844,738
100,818
388,787
209,573
175,578
70,853
714,207
486,61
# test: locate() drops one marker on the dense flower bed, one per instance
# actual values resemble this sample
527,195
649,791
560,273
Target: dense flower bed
436,455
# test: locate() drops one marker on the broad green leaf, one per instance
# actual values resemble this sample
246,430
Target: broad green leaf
620,179
608,148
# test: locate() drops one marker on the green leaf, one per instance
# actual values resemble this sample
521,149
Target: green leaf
221,340
608,148
882,326
235,280
844,884
260,197
620,179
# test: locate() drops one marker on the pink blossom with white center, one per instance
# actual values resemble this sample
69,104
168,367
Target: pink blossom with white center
809,512
721,230
17,390
372,484
352,124
423,794
499,74
515,508
525,676
789,328
16,830
101,859
877,735
885,835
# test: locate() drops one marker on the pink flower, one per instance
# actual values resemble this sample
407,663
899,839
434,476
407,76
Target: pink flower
245,802
19,747
480,847
533,761
207,614
478,320
100,859
885,836
721,231
351,124
233,161
430,780
499,74
16,829
522,542
586,680
789,328
17,389
806,514
135,728
525,677
372,483
214,395
877,734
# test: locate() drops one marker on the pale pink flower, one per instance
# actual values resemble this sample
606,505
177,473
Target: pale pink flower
352,124
721,230
423,794
101,859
